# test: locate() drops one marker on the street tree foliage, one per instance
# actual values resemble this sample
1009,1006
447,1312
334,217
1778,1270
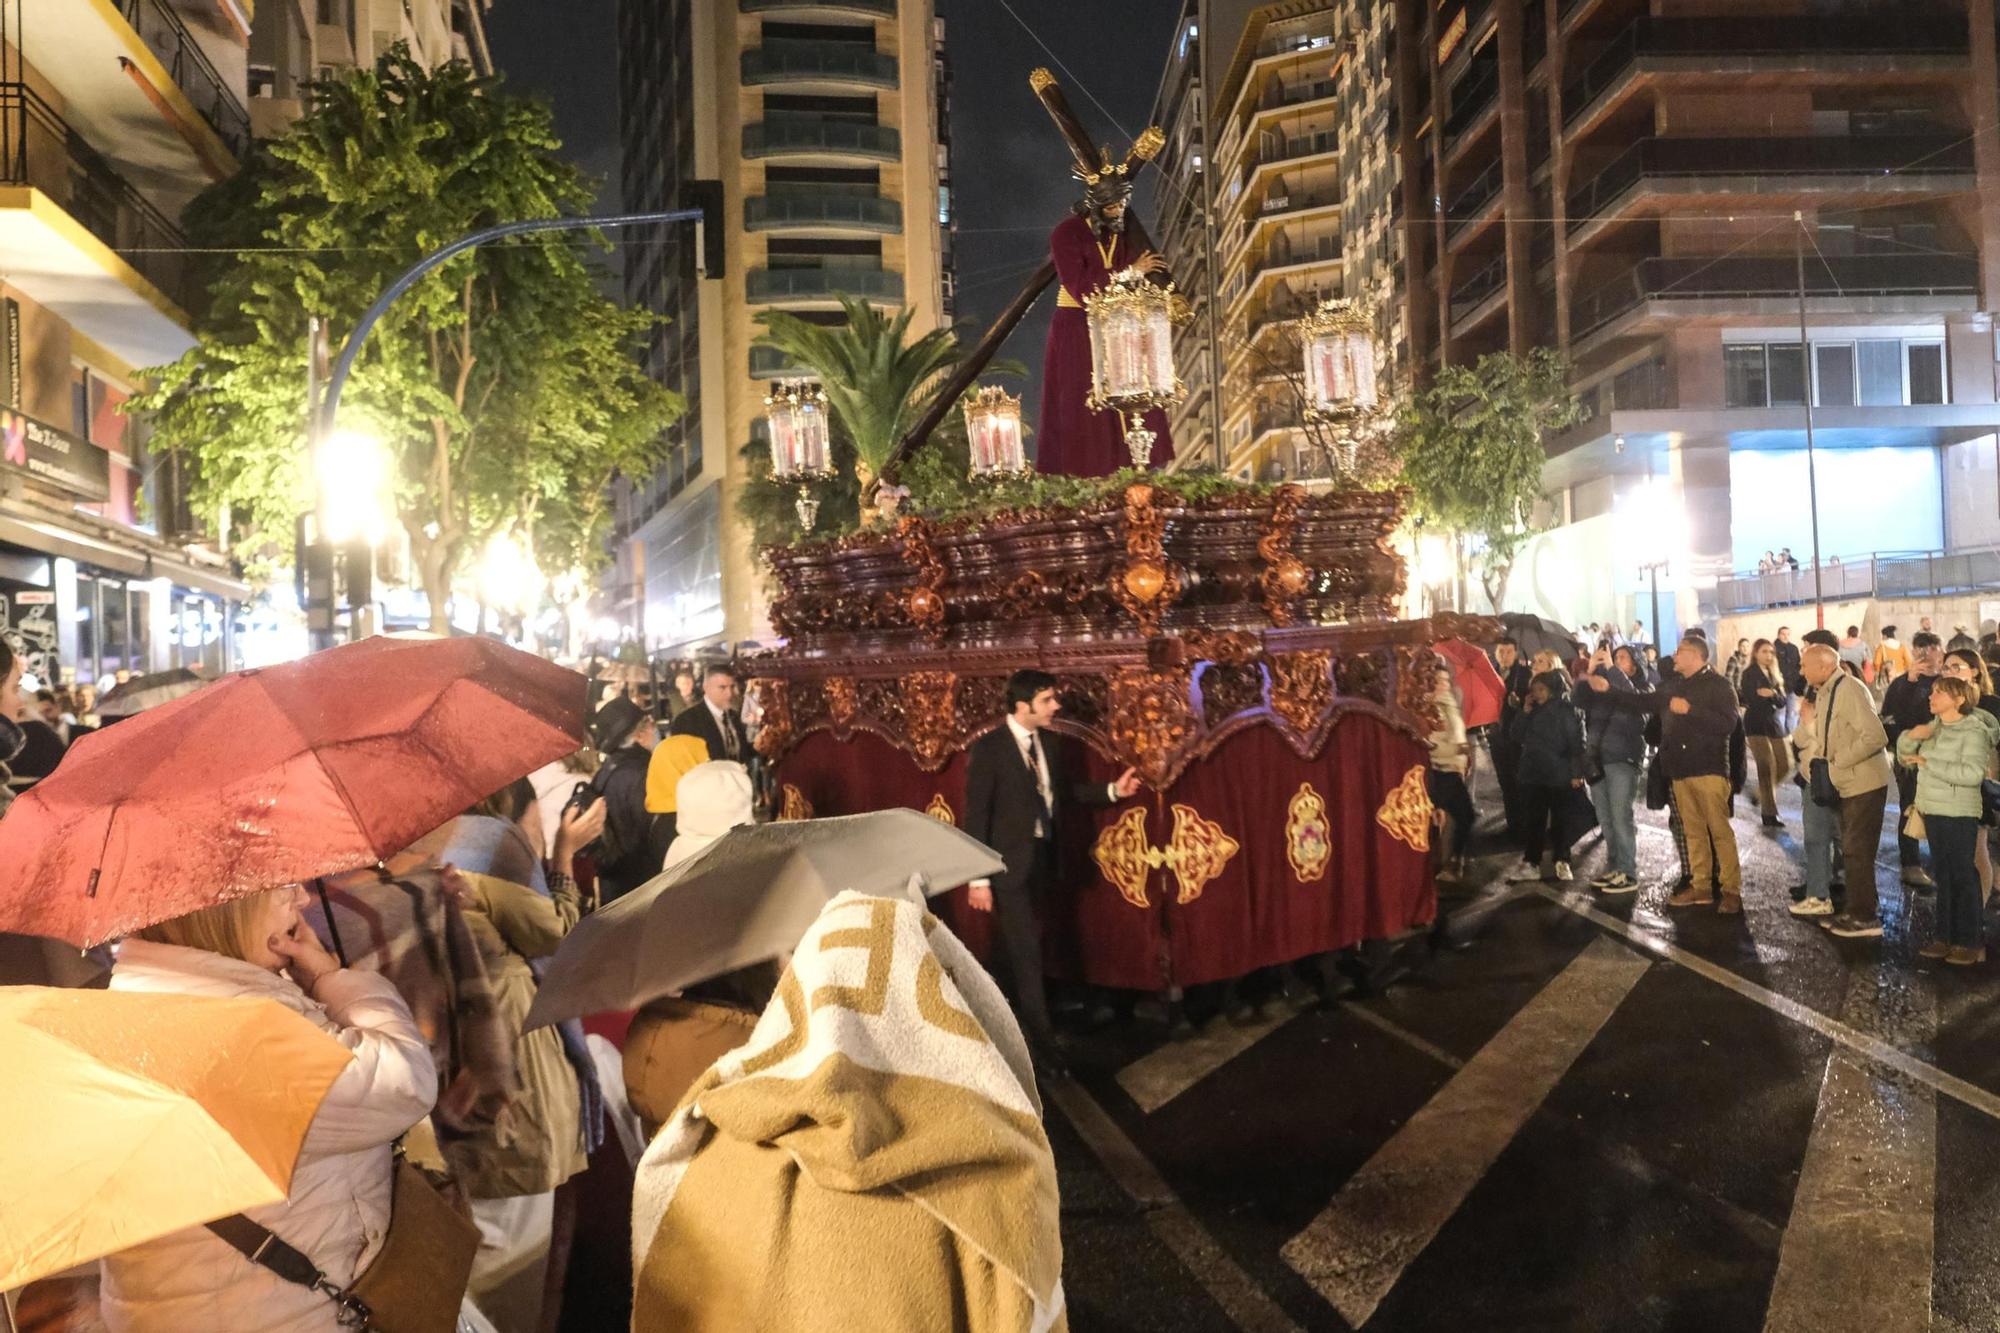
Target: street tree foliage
1472,454
877,385
505,388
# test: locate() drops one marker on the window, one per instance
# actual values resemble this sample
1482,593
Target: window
1743,376
1927,373
1833,373
1881,365
1788,374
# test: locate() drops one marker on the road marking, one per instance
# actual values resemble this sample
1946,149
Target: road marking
1246,1304
1872,1048
1161,1075
1403,1034
1859,1248
1354,1252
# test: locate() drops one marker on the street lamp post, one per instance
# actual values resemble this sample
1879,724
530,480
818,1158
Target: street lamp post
1652,572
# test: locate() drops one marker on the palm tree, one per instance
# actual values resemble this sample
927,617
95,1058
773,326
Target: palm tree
876,385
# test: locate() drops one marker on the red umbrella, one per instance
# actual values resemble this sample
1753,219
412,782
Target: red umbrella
1477,680
275,777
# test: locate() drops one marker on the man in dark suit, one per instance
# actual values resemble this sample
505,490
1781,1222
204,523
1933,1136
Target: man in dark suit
715,718
1014,796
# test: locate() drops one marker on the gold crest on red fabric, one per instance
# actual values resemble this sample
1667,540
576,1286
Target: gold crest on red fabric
794,805
1308,836
940,810
1406,812
1198,853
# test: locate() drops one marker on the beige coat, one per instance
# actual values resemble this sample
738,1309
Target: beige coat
1845,730
671,1043
537,1142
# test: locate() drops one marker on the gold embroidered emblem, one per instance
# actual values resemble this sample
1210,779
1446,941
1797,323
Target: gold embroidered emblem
940,810
1406,812
794,805
1308,838
1198,853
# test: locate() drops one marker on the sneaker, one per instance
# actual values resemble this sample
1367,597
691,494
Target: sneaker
1526,875
1563,873
1813,907
1917,878
1960,956
1599,881
1935,949
1618,882
1691,897
1854,928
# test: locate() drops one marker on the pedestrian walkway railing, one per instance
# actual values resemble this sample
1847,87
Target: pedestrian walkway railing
1879,574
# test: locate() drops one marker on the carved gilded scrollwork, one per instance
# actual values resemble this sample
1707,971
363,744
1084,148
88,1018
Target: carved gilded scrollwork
1406,811
1229,690
776,734
1123,855
1150,721
1198,852
930,717
1301,688
924,603
794,805
841,704
1285,578
1147,583
1415,685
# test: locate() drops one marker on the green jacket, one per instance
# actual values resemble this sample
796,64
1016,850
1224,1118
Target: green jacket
1957,756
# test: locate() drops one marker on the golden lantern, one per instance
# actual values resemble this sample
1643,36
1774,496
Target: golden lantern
795,415
1339,343
1132,355
993,433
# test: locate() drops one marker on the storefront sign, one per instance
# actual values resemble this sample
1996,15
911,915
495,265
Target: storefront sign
28,623
54,456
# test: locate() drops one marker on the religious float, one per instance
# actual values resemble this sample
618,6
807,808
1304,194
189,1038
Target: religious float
1238,646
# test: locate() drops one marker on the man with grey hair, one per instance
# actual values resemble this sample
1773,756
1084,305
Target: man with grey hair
1837,723
1697,715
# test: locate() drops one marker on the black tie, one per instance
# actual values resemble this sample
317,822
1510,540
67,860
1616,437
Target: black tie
1035,773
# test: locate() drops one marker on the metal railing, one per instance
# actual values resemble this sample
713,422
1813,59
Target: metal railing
878,8
1465,207
803,135
1470,97
766,285
39,149
1296,202
1877,574
1874,156
1303,145
1281,94
1754,276
1915,33
818,62
1470,294
859,211
167,37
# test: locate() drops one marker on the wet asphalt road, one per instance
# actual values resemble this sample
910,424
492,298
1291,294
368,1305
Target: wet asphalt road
1594,1114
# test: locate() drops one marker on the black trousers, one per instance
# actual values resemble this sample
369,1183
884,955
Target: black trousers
1547,823
1017,907
1448,794
1908,849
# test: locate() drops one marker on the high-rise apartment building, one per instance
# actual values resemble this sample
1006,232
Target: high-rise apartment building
825,122
295,41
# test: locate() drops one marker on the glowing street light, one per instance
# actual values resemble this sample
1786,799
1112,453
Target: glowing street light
353,480
508,578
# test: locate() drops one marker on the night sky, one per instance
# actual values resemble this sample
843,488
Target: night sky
1010,170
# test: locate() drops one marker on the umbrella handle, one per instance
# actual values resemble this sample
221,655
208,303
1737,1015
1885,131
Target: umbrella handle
326,909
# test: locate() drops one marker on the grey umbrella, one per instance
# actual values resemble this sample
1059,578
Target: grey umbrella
142,692
747,899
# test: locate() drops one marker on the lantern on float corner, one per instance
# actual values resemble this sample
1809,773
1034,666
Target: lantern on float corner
1132,354
795,415
1338,342
993,434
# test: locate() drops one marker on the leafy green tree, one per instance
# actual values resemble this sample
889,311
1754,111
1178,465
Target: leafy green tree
1472,454
504,387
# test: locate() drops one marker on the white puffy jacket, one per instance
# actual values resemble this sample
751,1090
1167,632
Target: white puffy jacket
338,1209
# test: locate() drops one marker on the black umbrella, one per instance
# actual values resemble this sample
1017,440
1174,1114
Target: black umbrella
1533,634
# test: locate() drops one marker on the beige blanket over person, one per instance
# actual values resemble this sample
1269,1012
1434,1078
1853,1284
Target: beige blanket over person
872,1158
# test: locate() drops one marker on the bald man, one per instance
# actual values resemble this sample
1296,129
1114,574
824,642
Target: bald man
1838,724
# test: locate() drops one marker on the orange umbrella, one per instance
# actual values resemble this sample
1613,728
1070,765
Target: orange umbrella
126,1116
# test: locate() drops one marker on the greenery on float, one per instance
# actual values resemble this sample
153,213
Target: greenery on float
941,490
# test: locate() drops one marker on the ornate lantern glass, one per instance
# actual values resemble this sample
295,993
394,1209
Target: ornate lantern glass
1339,342
1132,355
795,413
993,433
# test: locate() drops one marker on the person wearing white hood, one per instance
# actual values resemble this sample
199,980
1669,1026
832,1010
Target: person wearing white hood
676,1037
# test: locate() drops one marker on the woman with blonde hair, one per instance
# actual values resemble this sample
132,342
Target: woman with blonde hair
337,1212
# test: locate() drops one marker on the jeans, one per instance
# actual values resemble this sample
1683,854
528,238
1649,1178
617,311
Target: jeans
1959,903
1819,827
1613,798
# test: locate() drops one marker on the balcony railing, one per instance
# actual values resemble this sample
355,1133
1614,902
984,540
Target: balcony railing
1295,94
764,286
1297,202
885,9
1753,277
1466,206
1304,145
1870,156
1323,250
37,148
1877,574
1470,97
194,74
840,138
818,62
1470,294
859,212
1917,33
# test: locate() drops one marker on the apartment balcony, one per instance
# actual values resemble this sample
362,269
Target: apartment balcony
1281,96
808,137
1474,298
830,213
1472,97
1294,148
1742,284
1726,52
1473,207
830,64
879,9
781,286
166,34
768,363
82,241
1674,173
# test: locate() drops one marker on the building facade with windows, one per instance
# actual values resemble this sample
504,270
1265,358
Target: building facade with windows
826,124
294,42
1664,190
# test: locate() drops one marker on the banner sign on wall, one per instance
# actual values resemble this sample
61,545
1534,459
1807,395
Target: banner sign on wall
28,623
54,456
